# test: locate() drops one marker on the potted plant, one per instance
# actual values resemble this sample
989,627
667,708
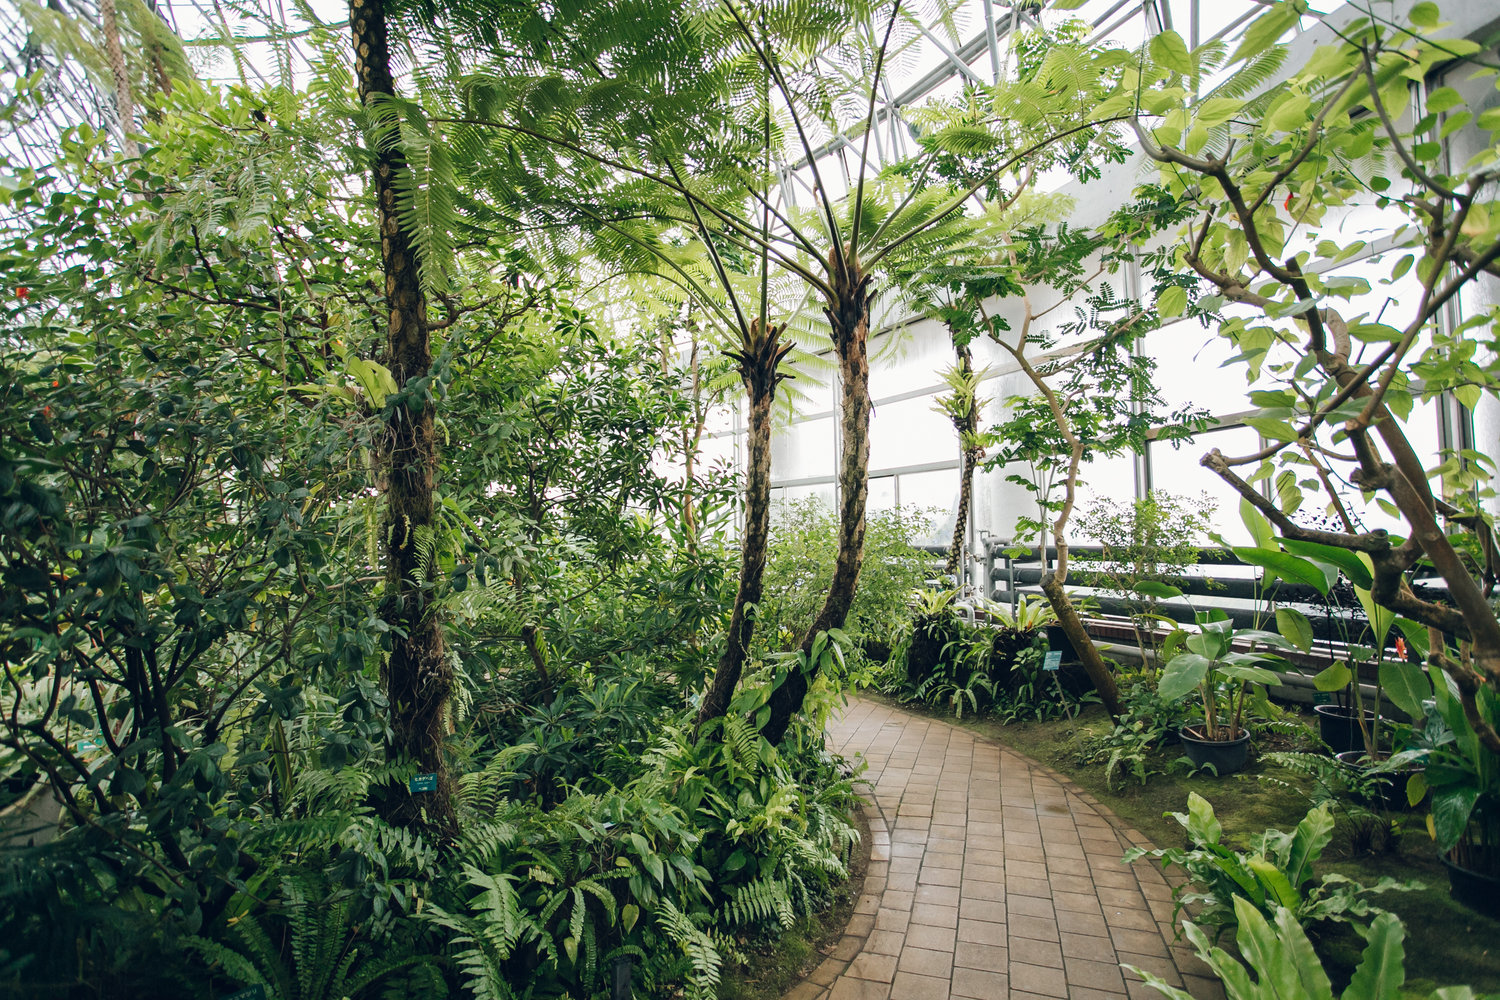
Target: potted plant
1355,737
1463,777
1209,664
1351,728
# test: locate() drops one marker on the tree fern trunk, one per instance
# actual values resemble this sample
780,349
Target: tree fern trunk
418,677
759,358
849,317
967,425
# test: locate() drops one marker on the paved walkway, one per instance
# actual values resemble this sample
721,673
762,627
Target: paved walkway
991,876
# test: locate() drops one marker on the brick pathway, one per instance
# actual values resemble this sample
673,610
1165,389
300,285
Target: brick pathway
991,876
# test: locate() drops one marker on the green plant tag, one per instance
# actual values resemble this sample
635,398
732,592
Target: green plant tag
1322,698
1053,660
256,992
423,783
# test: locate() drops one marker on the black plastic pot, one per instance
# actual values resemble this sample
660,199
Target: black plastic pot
1473,889
1339,729
1391,795
1226,756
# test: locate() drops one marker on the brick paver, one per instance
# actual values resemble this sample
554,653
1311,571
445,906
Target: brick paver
991,876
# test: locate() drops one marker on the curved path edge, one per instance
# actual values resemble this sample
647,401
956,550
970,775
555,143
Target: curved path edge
991,876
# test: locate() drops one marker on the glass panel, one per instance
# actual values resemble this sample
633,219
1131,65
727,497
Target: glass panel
882,493
1176,470
910,432
803,450
935,493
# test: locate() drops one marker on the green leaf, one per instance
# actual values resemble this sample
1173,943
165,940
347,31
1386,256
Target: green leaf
1345,559
1294,625
1256,523
1157,589
1416,788
629,914
1182,676
1381,618
1380,972
1312,835
1416,635
1246,674
1451,809
1286,566
1278,887
1169,50
1265,30
1173,300
1406,685
1334,677
1424,15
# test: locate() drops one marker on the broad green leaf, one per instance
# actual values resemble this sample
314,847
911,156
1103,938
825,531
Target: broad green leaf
1171,51
1173,300
1265,30
1201,823
1256,523
1334,677
1451,809
1157,589
1288,113
1277,886
1416,788
1288,567
1424,15
1345,559
1270,427
1182,676
629,914
1406,685
1380,972
1249,675
1302,959
1381,618
1294,625
1312,835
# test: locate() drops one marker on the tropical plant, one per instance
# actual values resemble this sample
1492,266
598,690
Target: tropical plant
1263,171
1278,954
1146,545
1209,664
1275,873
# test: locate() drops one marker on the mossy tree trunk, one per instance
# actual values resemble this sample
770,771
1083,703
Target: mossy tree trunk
849,318
759,357
418,677
966,422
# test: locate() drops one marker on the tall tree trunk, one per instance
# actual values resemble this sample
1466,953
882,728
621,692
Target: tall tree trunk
758,358
109,23
849,318
967,425
418,676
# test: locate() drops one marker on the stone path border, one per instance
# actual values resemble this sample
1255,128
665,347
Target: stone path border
991,876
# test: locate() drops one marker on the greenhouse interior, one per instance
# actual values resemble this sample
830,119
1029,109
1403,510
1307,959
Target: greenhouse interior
808,499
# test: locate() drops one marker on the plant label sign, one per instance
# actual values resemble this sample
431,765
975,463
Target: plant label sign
1053,660
256,992
422,783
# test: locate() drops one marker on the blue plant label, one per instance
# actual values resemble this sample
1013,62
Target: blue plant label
256,992
423,783
1053,660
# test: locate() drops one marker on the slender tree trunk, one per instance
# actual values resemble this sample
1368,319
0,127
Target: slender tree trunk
418,676
967,425
849,317
759,358
109,22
